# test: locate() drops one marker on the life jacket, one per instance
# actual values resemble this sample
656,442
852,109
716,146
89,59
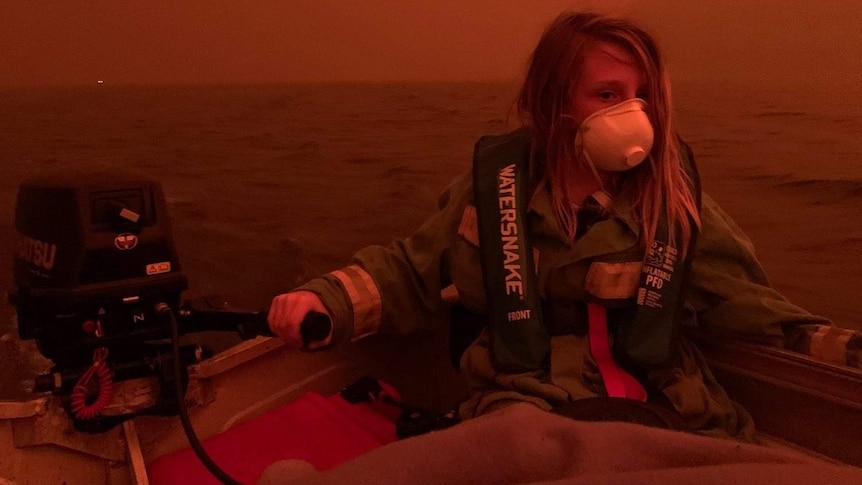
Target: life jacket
519,339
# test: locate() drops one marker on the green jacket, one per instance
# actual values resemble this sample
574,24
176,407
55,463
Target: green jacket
411,283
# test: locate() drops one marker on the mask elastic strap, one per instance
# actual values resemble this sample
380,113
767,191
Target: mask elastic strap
595,171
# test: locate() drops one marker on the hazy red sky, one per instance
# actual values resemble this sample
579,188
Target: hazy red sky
64,42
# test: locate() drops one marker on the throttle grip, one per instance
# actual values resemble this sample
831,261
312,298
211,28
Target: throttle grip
213,313
315,326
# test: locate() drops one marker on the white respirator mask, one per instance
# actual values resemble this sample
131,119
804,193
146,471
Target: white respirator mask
616,138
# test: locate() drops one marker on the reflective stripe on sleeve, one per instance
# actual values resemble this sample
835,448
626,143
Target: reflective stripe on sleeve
364,298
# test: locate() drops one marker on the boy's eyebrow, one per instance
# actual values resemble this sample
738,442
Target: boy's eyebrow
609,83
614,84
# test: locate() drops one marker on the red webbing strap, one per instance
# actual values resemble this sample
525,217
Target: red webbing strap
618,382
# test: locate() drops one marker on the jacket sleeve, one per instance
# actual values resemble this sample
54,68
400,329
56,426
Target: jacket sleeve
729,289
396,288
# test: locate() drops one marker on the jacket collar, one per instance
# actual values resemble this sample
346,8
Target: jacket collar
617,233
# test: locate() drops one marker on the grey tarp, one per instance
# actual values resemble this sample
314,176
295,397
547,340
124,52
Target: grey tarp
522,444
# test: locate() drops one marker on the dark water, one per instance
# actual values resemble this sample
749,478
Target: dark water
269,185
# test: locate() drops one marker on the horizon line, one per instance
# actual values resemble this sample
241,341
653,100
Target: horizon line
105,83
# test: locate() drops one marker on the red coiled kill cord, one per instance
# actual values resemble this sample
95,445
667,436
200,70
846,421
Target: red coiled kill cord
105,394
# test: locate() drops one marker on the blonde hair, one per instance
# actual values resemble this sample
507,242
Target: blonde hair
545,103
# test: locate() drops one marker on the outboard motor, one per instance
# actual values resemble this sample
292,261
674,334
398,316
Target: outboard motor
94,258
98,286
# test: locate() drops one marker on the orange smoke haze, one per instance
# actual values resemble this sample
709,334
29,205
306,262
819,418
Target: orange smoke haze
221,41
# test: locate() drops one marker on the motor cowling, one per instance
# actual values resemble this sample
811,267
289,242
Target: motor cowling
95,255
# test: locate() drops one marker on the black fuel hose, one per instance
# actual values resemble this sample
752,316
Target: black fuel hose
315,326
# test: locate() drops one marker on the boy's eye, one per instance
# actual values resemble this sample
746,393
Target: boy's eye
606,95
